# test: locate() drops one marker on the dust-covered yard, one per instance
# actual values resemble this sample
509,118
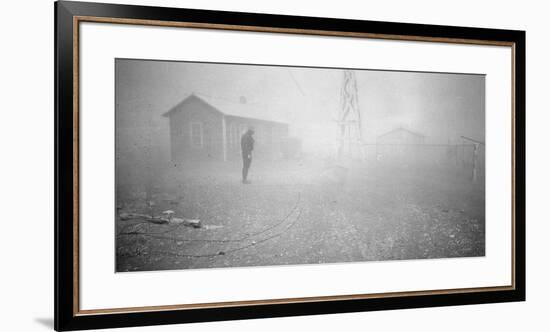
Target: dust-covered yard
301,213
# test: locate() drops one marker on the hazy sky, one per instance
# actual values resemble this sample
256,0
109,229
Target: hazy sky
441,106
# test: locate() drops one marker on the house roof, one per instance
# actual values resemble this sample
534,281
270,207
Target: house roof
229,108
401,129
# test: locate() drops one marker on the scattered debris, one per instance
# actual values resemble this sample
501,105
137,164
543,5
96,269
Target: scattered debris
195,223
128,216
168,214
209,227
167,218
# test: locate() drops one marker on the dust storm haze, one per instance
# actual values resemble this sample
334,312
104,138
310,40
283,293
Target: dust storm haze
399,176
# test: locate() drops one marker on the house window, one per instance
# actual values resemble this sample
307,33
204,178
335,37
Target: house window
196,134
233,135
181,132
236,135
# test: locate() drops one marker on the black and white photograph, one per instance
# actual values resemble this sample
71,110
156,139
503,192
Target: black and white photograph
275,166
232,165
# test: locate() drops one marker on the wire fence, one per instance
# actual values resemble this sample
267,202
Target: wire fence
469,157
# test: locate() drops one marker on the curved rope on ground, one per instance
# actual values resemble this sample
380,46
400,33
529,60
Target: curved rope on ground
220,253
174,238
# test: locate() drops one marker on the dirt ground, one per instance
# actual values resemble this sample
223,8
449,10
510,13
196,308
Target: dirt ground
301,213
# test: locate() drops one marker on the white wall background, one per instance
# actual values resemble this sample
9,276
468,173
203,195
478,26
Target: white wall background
26,132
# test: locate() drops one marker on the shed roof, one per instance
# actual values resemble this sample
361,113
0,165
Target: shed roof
393,131
229,108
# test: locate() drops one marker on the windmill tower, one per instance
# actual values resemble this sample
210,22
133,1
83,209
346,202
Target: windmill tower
349,119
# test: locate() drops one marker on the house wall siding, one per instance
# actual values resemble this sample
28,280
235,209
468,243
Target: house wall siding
221,134
182,148
269,137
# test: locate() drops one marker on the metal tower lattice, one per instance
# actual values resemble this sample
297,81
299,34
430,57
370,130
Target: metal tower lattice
349,119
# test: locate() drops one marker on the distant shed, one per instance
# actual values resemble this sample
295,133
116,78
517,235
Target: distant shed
400,145
401,136
210,129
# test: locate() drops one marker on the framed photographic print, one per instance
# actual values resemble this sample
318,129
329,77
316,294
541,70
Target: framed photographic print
220,165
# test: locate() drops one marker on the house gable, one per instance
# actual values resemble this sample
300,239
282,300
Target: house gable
189,101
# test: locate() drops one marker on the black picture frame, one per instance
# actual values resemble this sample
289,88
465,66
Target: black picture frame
67,315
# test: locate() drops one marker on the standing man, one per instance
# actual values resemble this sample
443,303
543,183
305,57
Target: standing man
247,145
